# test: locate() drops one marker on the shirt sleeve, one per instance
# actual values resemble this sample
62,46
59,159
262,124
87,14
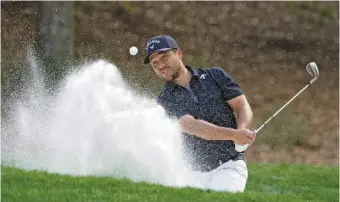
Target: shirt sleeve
230,89
172,109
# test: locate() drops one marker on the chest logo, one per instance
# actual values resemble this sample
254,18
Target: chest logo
203,76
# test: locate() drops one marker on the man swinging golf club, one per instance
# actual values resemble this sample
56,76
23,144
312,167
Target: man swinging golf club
203,101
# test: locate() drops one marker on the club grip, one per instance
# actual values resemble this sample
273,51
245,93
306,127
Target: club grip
241,148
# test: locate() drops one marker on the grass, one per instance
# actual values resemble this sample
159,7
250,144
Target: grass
267,182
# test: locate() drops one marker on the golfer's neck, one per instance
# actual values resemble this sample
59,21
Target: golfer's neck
184,77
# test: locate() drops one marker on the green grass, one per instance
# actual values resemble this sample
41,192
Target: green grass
267,182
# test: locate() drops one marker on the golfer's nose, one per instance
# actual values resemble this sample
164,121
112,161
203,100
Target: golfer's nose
161,66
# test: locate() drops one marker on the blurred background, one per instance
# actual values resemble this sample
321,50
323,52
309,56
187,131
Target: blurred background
264,46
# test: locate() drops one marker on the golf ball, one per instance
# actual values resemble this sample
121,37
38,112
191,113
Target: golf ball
133,50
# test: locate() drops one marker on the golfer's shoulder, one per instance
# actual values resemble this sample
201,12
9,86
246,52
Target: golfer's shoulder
164,95
214,71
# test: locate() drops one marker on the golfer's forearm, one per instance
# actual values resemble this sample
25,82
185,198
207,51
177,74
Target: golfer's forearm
205,129
244,116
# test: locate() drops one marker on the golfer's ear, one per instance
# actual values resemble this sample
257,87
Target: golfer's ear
180,53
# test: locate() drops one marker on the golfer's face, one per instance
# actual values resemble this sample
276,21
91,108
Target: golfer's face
166,64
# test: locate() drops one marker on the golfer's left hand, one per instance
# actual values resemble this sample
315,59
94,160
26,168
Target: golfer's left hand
244,136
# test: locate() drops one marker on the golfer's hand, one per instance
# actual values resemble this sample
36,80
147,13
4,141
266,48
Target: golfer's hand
244,136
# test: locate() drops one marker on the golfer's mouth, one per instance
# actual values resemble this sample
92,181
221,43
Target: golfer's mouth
164,69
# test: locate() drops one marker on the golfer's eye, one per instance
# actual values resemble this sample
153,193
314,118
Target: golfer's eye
165,56
155,64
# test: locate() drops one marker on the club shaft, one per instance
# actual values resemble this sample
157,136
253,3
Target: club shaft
297,94
241,148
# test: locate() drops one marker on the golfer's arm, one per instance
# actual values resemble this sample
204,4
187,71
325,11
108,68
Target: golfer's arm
205,129
243,110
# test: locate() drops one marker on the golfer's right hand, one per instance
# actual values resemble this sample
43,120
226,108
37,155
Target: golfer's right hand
244,136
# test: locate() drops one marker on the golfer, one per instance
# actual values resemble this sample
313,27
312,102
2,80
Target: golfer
203,101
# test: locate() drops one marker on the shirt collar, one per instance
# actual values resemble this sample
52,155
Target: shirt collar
194,74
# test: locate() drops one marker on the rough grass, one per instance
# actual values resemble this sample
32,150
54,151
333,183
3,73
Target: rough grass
267,182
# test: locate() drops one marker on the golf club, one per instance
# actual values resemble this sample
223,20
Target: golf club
312,70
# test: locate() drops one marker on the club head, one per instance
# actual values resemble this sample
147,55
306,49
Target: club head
312,69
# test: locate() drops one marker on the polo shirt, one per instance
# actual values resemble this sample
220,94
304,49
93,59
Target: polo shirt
206,99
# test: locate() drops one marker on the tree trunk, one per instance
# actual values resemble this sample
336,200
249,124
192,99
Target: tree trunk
54,42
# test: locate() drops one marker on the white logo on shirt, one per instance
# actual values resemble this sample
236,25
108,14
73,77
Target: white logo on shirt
203,76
